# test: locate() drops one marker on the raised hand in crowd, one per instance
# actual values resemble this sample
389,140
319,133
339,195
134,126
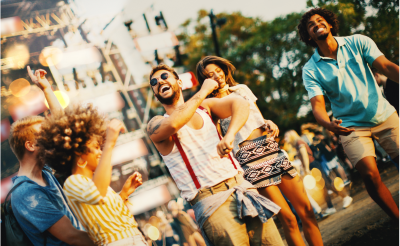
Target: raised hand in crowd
39,79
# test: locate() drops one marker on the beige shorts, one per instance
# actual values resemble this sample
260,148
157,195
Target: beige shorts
359,144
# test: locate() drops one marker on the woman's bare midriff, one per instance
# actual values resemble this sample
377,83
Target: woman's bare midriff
255,134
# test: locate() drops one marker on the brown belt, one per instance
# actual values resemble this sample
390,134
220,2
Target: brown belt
222,186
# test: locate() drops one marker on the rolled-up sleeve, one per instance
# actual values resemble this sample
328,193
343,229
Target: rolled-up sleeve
82,189
311,84
368,47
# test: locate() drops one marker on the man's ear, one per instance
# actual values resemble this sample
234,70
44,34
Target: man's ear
30,145
180,83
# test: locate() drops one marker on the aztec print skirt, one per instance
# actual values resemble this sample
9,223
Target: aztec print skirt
263,162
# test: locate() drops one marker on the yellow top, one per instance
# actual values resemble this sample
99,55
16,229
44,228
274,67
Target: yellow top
106,219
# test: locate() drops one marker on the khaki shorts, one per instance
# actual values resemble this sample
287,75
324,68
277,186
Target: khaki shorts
359,144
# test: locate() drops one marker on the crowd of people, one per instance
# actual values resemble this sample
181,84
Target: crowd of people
219,150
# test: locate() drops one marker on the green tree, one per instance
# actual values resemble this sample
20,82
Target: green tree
269,56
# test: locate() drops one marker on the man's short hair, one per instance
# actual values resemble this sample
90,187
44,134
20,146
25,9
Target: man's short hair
163,67
329,16
22,131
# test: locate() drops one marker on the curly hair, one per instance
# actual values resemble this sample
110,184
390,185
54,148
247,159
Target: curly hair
65,136
329,16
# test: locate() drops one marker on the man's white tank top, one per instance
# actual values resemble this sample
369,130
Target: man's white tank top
200,147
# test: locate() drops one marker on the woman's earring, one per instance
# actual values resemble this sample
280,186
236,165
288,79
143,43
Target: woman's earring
81,163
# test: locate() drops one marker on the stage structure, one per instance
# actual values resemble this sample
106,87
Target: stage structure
111,76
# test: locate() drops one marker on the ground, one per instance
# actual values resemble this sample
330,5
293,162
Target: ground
362,223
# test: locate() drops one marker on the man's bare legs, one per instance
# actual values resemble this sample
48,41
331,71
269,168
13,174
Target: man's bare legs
376,188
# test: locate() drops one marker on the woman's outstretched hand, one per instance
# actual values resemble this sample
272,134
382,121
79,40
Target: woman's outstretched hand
133,181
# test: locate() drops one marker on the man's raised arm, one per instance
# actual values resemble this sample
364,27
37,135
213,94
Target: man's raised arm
160,128
222,108
40,80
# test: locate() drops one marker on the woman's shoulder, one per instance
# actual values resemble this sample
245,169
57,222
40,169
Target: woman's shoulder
239,87
77,180
243,91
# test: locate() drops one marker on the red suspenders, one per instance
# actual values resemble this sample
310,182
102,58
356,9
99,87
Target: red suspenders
186,160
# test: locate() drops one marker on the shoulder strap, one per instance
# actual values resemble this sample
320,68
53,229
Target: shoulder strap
9,193
219,135
186,160
6,204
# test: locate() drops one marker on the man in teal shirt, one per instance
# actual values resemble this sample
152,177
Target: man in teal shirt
339,70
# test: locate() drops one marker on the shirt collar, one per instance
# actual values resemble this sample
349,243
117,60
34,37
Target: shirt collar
341,41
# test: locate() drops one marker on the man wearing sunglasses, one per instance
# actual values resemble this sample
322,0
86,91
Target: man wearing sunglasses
228,209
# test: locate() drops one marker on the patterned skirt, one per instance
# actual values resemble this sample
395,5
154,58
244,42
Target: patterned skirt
263,162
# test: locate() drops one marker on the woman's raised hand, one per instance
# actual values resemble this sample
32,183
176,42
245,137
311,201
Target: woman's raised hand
133,181
113,129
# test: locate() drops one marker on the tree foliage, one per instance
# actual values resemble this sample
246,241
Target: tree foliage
269,55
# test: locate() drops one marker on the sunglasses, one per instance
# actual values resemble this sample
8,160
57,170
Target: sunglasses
154,81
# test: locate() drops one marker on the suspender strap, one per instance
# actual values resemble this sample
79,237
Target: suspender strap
186,160
219,135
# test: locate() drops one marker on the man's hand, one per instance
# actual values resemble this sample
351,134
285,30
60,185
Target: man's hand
113,129
225,145
134,181
335,127
39,78
271,127
209,85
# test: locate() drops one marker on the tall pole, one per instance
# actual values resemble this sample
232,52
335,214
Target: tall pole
214,34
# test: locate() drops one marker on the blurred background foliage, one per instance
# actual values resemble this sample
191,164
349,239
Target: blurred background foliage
269,55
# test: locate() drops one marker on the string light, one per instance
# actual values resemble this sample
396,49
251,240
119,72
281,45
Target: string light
20,87
309,182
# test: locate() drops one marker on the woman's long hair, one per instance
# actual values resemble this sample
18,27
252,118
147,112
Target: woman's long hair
224,64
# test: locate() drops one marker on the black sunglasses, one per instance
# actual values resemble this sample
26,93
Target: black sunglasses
154,81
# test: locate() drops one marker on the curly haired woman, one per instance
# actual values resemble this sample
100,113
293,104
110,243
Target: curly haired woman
264,164
71,144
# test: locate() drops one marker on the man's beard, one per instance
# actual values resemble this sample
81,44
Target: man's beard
323,36
169,100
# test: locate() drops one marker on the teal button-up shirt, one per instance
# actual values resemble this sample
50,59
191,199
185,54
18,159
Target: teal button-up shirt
348,82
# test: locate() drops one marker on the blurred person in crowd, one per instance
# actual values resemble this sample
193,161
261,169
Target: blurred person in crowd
330,162
187,229
39,203
167,233
201,164
308,161
268,170
328,157
339,69
78,144
307,132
